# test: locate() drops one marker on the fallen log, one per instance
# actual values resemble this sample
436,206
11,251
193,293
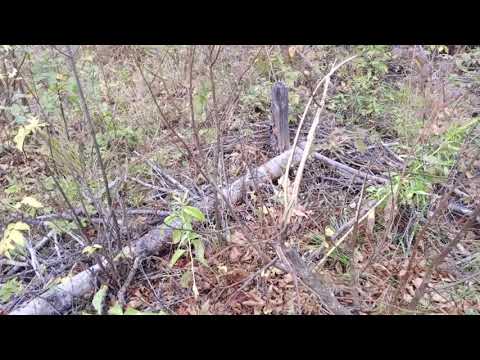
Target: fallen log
272,169
61,298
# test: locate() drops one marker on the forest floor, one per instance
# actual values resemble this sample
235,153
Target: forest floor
385,220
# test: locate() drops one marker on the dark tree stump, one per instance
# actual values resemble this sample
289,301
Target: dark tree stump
279,110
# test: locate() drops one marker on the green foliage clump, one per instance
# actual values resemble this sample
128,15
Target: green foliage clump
123,137
432,164
360,93
185,238
10,288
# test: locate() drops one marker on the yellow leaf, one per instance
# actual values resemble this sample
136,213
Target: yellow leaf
19,139
66,279
32,202
34,124
13,238
292,51
17,237
24,131
329,231
91,249
21,226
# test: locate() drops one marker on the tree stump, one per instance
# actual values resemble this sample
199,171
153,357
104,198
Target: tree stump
279,110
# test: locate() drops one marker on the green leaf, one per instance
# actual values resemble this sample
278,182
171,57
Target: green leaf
13,238
194,212
10,288
12,189
360,145
132,311
198,104
62,226
177,255
98,299
115,309
169,219
187,225
89,250
176,236
186,279
199,250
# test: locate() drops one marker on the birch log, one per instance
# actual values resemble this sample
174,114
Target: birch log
62,297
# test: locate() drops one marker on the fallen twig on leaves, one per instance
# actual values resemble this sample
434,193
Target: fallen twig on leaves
349,169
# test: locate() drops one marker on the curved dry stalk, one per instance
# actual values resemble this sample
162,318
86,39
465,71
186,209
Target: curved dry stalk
290,199
302,119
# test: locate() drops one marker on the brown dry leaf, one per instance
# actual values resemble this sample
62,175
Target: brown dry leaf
300,211
357,256
257,311
235,254
253,294
267,310
438,298
248,255
253,303
236,276
384,270
204,309
417,282
192,309
276,301
223,269
135,303
238,239
288,278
